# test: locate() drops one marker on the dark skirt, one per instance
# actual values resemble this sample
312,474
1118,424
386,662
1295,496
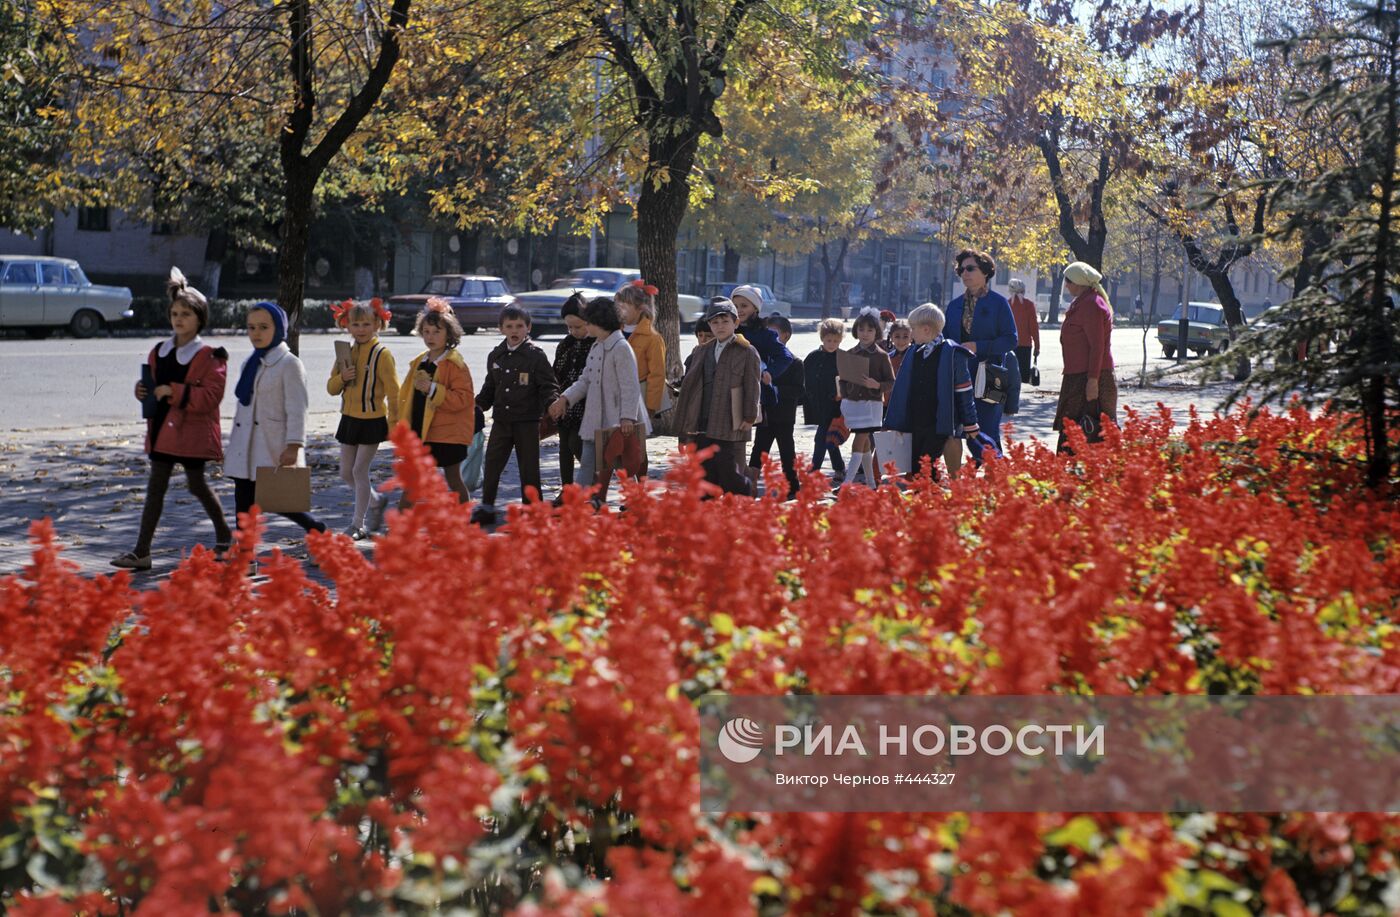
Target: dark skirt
1073,402
358,431
448,453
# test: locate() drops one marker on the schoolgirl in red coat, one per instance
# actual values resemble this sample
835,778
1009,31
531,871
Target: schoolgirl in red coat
186,384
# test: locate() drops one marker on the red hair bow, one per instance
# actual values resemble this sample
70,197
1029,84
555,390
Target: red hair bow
646,287
380,309
341,312
439,305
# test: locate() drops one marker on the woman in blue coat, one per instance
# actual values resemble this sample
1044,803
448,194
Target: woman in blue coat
986,327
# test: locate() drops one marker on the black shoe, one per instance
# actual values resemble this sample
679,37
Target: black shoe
483,517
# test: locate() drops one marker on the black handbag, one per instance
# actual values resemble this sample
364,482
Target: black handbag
1090,423
998,383
1035,372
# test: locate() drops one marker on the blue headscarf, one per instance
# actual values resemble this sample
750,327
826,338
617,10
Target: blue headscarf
244,389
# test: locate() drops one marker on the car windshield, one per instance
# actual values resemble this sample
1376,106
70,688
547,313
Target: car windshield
1206,315
594,280
443,286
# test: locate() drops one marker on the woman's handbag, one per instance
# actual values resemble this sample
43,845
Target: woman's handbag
993,382
1035,371
1090,423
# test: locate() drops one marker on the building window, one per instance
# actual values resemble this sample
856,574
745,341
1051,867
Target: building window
94,219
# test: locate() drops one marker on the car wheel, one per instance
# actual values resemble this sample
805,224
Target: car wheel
1224,346
1168,352
469,329
85,323
404,328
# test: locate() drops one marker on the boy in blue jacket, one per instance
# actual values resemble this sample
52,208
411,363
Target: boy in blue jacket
932,397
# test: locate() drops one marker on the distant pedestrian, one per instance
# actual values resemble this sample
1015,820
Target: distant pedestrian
636,307
368,386
269,420
1027,326
719,400
980,319
932,397
703,336
1089,388
772,352
437,397
863,398
519,388
821,402
181,387
780,420
570,357
899,338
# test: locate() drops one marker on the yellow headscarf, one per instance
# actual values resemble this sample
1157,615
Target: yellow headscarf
1085,276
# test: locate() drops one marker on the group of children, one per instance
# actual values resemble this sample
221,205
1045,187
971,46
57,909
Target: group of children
607,377
934,405
584,390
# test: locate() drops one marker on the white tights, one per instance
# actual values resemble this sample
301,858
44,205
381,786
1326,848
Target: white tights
354,470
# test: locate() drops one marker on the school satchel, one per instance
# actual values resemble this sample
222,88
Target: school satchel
283,490
614,450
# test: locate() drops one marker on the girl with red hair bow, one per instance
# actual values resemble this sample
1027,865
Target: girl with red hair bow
368,383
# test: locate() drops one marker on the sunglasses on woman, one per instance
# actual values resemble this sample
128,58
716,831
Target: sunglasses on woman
967,268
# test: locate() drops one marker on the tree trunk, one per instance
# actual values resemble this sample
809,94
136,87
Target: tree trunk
731,264
1234,314
832,271
661,206
1149,316
215,250
1056,290
297,209
1377,438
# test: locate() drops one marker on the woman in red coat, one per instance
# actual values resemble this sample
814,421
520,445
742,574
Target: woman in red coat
1089,388
181,391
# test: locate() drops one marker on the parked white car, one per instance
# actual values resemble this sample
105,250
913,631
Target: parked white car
592,282
39,294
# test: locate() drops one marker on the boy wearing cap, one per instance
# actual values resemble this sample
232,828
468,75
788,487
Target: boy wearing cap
718,403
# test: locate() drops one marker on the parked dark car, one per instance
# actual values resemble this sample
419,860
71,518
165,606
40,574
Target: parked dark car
476,299
1206,331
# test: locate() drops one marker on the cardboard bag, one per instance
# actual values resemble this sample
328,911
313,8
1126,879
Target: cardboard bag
283,490
893,446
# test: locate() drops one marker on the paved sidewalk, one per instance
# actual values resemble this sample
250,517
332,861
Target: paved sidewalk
91,482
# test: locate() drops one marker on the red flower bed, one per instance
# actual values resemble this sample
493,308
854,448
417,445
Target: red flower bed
507,722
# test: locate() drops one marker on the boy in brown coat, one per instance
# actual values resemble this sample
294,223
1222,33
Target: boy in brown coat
718,404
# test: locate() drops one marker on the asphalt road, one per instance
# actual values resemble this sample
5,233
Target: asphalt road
62,387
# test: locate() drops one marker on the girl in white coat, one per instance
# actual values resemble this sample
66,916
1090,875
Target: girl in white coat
269,421
609,389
